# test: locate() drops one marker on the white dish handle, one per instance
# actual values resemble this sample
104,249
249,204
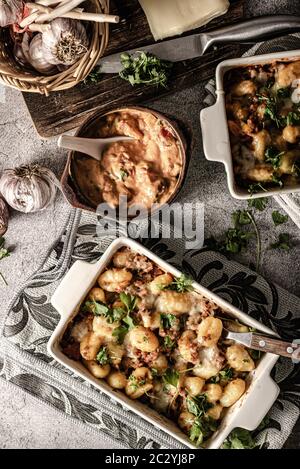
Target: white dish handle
76,280
215,134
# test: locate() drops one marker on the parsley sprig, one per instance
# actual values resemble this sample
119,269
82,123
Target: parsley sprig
103,357
180,284
283,242
4,252
259,204
146,69
278,218
239,438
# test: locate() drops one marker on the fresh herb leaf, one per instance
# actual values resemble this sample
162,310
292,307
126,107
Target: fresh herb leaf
276,180
123,174
180,284
102,356
169,344
239,438
241,217
278,218
120,333
256,187
284,92
226,374
154,372
94,76
129,301
293,118
198,405
201,429
259,204
135,383
167,320
4,252
171,377
283,242
273,156
97,308
145,69
129,322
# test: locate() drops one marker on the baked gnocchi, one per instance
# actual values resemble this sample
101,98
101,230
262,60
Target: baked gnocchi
263,113
154,338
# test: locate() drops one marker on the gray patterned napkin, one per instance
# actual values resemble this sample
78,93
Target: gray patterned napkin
31,319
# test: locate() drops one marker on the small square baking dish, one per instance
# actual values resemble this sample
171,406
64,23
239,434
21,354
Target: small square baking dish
246,413
214,126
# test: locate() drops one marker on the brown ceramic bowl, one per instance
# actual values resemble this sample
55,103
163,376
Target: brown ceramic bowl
69,185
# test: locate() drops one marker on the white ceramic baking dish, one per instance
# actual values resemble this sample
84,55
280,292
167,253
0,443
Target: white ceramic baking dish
246,413
215,133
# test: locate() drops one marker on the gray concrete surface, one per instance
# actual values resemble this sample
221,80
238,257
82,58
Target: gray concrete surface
24,422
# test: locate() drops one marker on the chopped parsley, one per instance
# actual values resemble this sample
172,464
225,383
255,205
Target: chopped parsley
239,438
171,377
198,405
273,156
256,187
201,429
259,204
293,118
282,243
278,218
135,383
167,320
103,357
180,284
145,69
169,344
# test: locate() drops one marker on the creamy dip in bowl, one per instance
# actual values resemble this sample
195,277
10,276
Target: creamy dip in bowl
147,170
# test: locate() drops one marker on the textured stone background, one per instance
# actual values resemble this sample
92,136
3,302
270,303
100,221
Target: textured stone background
24,422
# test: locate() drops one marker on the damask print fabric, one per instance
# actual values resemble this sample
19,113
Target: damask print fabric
31,318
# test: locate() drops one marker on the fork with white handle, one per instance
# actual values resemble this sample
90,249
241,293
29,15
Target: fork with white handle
266,344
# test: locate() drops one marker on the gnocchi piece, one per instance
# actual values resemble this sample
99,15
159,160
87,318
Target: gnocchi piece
239,112
188,346
215,412
210,362
261,141
159,282
160,364
117,380
291,133
287,162
239,359
99,371
123,258
115,352
90,345
151,319
139,382
186,421
260,173
287,73
115,280
143,339
193,385
209,331
173,302
96,294
104,329
213,392
232,392
244,87
81,329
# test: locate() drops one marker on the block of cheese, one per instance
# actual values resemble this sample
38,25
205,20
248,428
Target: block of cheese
171,17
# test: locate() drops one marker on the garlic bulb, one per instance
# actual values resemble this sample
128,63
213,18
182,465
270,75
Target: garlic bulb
64,42
37,58
10,12
28,188
3,216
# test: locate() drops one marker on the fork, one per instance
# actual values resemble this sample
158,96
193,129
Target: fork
266,344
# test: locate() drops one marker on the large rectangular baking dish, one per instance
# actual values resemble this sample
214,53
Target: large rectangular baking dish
215,133
246,413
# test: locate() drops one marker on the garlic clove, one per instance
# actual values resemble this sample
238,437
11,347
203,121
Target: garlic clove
64,42
37,58
28,188
4,216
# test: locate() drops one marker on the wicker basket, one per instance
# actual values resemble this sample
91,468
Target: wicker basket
12,74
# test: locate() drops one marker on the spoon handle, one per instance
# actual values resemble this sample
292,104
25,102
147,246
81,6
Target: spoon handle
88,146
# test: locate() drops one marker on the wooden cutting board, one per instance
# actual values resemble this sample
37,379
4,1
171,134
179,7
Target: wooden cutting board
65,110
